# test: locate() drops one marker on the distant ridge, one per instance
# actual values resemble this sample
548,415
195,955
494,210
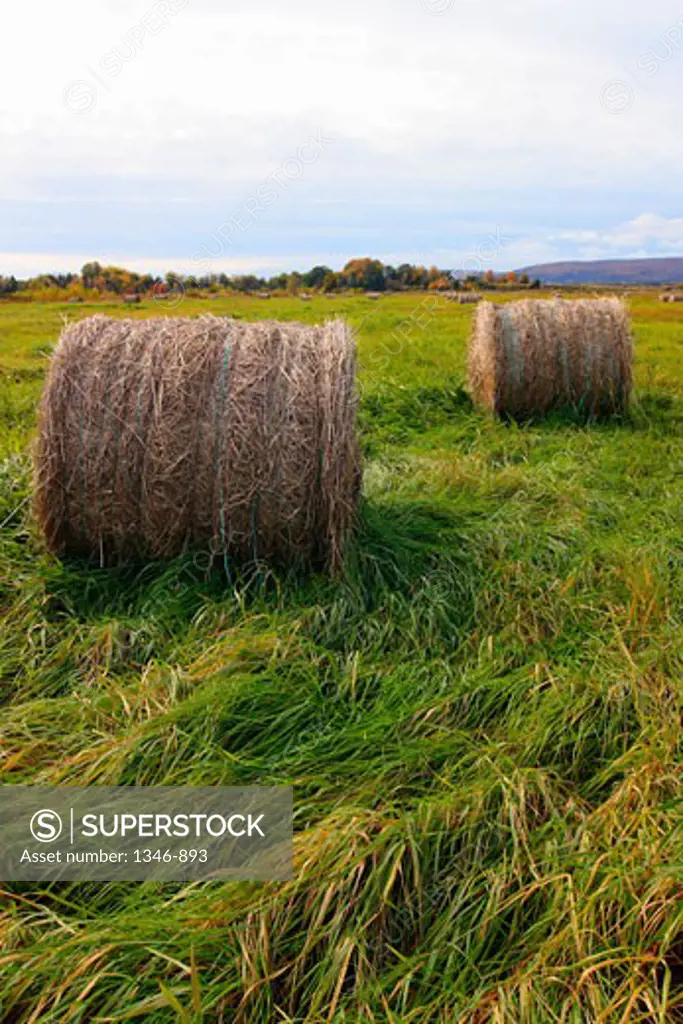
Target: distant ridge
645,271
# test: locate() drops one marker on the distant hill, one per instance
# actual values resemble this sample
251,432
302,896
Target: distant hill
648,271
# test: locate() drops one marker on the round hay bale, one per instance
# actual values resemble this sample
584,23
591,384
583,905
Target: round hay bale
168,434
527,358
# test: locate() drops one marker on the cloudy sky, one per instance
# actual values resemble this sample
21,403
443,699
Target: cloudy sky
239,135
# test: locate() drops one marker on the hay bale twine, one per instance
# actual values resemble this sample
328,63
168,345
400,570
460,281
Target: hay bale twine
167,434
527,358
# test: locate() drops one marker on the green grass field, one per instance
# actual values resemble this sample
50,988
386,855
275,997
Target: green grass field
481,719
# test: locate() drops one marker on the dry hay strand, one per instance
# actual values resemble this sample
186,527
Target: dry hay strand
530,357
169,434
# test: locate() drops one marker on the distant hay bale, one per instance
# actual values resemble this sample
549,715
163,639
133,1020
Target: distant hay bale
527,358
264,295
666,298
676,297
131,300
164,435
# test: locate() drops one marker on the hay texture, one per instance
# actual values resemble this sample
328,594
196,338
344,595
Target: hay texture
530,357
162,435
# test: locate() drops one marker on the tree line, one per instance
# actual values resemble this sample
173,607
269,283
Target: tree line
369,275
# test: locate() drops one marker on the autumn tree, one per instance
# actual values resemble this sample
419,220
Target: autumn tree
365,273
331,282
294,282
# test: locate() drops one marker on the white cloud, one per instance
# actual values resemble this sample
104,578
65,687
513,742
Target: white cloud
493,96
30,264
647,235
474,96
643,232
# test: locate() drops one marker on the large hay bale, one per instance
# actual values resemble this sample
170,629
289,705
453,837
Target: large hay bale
527,358
162,435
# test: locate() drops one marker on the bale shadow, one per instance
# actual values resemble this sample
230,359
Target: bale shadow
647,411
416,557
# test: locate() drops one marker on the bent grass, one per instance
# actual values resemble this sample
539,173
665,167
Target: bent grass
481,718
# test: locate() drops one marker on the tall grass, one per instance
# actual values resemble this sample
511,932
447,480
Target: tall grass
481,720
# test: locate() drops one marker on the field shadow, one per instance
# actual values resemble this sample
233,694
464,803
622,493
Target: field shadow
400,415
397,414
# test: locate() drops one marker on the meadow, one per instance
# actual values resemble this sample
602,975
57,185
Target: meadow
481,718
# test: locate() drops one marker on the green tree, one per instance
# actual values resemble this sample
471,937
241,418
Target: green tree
315,277
89,272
